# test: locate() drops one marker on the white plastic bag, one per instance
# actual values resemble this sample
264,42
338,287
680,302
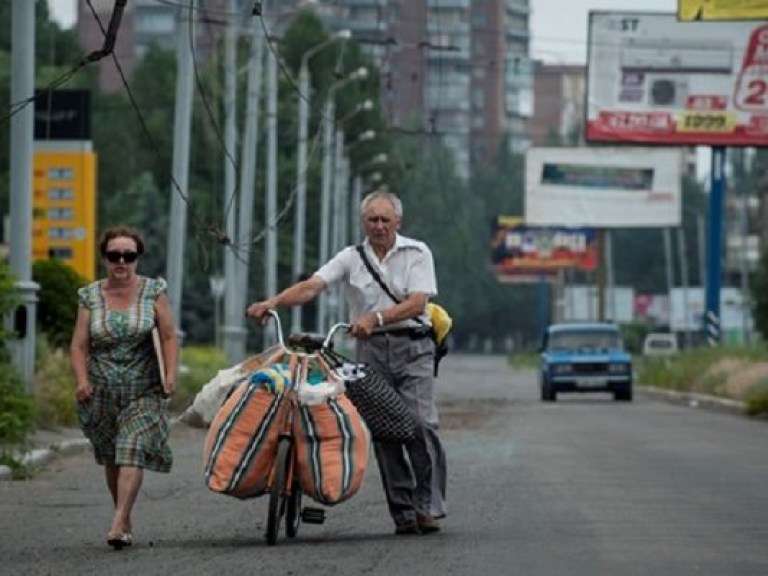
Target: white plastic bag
211,396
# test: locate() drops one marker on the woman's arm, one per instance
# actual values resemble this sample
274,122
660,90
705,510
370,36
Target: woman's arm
168,340
78,354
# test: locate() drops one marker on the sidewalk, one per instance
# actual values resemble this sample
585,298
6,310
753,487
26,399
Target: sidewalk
46,444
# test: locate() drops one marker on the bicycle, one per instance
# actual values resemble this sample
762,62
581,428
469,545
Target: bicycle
285,493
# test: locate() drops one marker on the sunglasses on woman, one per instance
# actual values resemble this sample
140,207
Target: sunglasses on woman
114,256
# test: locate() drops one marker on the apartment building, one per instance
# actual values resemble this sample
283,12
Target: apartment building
456,71
560,92
144,23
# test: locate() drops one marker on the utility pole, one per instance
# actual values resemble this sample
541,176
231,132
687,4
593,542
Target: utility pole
683,256
300,219
231,316
182,122
24,318
610,279
325,201
248,180
357,198
329,122
270,277
299,222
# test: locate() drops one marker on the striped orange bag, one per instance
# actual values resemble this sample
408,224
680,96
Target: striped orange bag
241,443
332,447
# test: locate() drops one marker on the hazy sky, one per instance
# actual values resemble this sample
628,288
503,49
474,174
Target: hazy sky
558,27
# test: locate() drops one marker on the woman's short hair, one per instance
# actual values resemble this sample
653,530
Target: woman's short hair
121,232
386,195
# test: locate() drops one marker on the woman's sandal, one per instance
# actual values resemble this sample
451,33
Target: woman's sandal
119,540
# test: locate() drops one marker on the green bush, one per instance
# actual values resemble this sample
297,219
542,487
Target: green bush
691,370
633,335
57,308
760,296
54,387
17,409
757,399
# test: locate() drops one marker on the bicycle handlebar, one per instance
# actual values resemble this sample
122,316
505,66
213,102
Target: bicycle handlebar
326,342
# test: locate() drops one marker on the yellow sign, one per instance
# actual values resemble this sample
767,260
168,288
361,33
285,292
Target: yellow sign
64,209
689,10
708,122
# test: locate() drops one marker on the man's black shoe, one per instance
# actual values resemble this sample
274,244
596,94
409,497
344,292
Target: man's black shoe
408,528
428,524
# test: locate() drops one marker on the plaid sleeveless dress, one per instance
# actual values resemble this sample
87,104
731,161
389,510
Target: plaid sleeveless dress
127,420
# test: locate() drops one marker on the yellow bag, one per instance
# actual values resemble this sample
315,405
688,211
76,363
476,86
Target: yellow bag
442,323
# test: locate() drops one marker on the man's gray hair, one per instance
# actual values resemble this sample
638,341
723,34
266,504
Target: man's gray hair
376,194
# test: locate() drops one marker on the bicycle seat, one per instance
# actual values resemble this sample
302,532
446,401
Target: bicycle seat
307,341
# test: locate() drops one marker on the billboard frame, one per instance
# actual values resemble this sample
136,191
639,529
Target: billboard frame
736,117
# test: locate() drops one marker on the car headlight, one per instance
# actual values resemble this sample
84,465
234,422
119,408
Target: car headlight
618,368
561,369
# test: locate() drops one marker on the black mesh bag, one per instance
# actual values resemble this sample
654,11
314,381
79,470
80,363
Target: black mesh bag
382,408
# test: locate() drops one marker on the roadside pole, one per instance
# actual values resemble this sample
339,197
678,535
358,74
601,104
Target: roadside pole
180,168
24,318
714,248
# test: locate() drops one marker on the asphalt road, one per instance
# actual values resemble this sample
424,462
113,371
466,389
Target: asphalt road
584,486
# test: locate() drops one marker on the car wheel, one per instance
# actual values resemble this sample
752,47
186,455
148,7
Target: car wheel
547,394
624,395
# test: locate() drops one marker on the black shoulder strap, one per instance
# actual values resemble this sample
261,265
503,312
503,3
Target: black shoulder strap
377,277
374,273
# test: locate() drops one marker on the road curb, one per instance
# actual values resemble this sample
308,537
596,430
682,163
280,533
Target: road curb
41,457
694,400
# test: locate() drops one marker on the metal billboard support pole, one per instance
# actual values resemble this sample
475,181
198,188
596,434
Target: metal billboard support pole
714,247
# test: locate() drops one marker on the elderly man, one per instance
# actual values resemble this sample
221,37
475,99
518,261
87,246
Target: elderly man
393,338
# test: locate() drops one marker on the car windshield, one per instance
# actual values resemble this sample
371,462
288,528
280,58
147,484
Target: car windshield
593,339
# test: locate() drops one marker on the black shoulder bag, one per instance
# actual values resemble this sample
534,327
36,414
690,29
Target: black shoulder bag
441,349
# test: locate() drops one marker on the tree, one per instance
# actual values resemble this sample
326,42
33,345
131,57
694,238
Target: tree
57,306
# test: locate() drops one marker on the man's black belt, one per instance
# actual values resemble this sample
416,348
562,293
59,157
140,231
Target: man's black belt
412,333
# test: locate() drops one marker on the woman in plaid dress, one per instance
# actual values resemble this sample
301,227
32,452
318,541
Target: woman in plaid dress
122,402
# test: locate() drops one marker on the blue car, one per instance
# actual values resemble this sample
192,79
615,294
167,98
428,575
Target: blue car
585,357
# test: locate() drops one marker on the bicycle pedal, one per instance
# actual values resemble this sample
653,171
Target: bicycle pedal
312,515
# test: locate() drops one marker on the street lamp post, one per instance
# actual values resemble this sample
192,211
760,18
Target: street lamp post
329,119
301,175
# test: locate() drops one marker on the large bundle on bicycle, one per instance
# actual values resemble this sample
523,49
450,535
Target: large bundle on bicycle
298,399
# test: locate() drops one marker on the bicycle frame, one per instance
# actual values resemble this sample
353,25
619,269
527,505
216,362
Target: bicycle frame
285,493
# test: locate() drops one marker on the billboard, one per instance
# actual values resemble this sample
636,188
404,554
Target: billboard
603,187
687,308
580,304
655,80
64,208
689,10
522,253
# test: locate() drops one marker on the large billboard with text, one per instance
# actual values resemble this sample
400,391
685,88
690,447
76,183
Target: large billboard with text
689,10
523,253
603,187
655,80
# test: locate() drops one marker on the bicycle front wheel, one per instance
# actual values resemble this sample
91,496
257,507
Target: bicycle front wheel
277,494
293,513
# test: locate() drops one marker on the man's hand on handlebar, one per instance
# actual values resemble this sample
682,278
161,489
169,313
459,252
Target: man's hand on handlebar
259,311
363,328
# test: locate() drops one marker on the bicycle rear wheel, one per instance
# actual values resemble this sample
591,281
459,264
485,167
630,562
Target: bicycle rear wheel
277,494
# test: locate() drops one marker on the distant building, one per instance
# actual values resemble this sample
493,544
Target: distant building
457,70
560,95
144,23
